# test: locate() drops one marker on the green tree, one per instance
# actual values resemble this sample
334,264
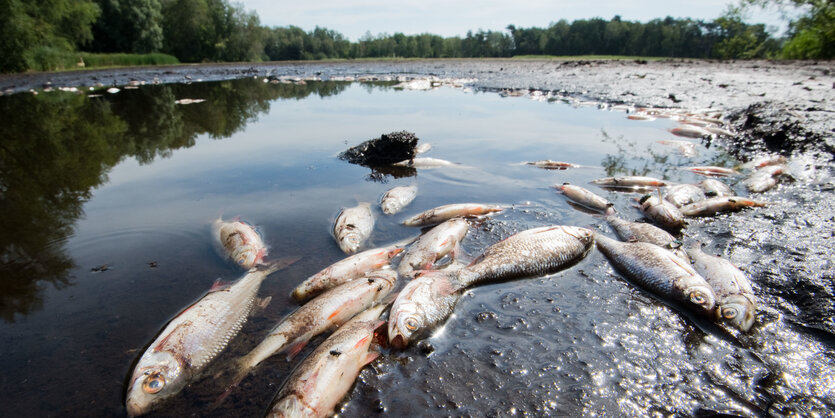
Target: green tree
812,35
128,26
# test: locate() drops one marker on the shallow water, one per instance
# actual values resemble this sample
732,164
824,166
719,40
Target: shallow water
108,200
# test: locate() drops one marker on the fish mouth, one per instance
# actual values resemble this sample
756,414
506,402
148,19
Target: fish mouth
399,342
135,409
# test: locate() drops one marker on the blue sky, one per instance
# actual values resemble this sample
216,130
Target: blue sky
454,18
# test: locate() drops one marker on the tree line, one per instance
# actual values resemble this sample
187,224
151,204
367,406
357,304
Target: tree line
34,34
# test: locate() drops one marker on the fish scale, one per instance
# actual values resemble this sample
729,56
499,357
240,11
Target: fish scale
532,252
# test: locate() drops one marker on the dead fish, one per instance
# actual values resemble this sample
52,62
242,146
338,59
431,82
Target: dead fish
193,339
660,272
323,379
353,226
446,212
425,162
630,182
714,205
687,149
586,198
346,270
735,300
715,188
533,252
552,165
690,131
717,130
397,198
763,179
189,101
326,311
662,212
642,232
637,116
765,161
712,170
423,148
240,241
432,246
682,194
423,304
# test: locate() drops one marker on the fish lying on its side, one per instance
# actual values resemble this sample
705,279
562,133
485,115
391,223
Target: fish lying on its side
425,162
397,198
328,310
662,212
715,188
712,170
239,241
630,182
764,179
586,198
441,240
735,301
423,304
353,226
552,165
682,194
644,232
446,212
660,272
325,376
346,270
533,252
714,205
193,339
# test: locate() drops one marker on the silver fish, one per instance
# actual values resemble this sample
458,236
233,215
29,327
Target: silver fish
660,272
714,205
712,171
423,304
691,131
239,241
764,179
328,310
446,212
533,252
662,212
630,182
193,339
687,149
345,270
587,198
397,198
423,148
735,300
715,188
425,162
644,232
765,161
353,226
552,165
682,194
432,246
323,379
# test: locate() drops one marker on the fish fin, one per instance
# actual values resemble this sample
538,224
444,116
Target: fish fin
294,349
610,209
390,298
263,302
280,264
219,285
370,356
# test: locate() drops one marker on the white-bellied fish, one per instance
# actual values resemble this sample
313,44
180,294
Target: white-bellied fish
715,188
447,212
326,311
423,148
423,304
239,241
439,241
691,131
712,171
765,161
323,379
764,179
345,270
552,165
714,205
735,300
193,339
353,226
397,198
630,182
533,252
660,272
661,212
682,194
425,162
586,198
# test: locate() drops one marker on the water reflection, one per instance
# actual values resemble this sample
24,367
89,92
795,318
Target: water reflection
57,148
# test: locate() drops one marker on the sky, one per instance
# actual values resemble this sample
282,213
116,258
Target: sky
354,18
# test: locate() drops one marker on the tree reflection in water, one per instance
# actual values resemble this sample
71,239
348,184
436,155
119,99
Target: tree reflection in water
56,148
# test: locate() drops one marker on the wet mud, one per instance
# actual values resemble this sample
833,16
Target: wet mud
532,355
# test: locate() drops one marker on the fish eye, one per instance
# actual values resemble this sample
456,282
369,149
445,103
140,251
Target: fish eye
697,298
729,313
412,324
153,383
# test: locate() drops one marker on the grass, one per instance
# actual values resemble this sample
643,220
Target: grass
590,57
54,59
